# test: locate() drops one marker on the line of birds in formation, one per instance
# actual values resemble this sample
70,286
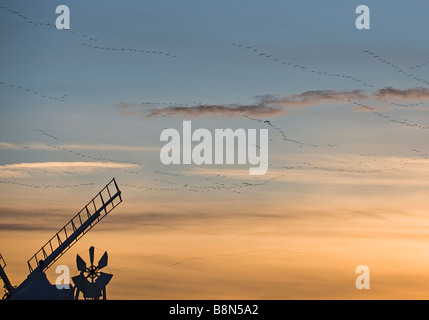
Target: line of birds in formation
154,52
33,91
242,112
47,186
350,169
301,144
219,185
216,186
256,51
46,134
404,121
82,155
406,105
394,66
127,171
282,132
291,64
190,187
262,54
62,99
84,36
148,188
43,24
173,104
385,61
232,187
420,65
421,153
373,109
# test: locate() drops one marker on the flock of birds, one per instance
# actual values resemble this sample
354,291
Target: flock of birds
281,132
358,169
218,182
175,182
375,110
47,186
291,64
405,122
396,67
122,49
406,105
266,122
83,36
207,184
348,169
46,134
83,155
34,92
420,65
422,155
89,42
92,43
172,104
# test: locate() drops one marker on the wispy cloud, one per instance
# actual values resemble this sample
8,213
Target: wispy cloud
98,147
10,146
258,108
274,105
25,170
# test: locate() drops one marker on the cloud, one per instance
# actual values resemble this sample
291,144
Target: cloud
273,105
5,145
407,94
25,170
265,105
27,218
259,108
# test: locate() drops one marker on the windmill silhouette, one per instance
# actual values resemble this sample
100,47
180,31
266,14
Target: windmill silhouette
91,281
36,285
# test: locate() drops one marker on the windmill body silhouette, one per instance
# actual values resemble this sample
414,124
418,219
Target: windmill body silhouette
91,281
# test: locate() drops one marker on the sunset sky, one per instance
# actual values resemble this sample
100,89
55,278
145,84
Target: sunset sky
347,114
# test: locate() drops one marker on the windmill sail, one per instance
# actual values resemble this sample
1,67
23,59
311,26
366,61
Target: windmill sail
4,277
96,209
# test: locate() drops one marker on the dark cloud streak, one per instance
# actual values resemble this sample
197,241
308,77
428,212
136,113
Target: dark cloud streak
273,105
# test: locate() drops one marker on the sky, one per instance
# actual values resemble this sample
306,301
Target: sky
346,114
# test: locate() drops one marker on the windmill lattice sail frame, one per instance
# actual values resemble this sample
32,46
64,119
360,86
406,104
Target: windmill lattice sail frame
2,262
96,209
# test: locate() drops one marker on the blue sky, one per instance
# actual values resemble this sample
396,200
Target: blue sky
207,69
